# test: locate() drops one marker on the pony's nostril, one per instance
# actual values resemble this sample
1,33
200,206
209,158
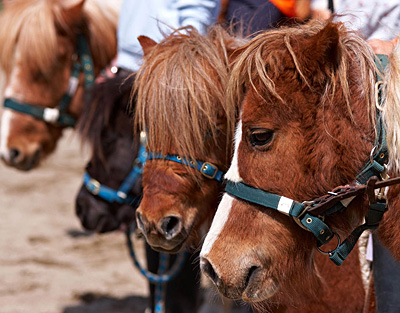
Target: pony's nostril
14,154
208,269
140,222
171,226
250,273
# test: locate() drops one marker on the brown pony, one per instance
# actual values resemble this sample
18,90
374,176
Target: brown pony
307,125
38,48
181,105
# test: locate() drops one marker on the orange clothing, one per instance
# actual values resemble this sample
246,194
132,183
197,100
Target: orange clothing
287,7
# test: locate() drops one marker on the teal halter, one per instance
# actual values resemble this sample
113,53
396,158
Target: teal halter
207,169
310,215
122,194
58,115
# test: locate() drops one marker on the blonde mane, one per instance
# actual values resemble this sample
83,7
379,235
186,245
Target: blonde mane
391,110
23,20
180,91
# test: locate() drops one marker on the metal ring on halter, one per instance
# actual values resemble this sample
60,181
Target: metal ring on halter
377,86
371,155
330,252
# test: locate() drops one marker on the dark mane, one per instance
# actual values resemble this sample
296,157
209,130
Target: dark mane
101,105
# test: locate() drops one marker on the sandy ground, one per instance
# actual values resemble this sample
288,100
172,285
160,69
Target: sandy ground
48,264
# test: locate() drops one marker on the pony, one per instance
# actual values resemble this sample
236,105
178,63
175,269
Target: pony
181,103
44,83
308,123
106,123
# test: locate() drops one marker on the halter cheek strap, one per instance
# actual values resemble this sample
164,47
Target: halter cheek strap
122,194
284,205
58,115
207,169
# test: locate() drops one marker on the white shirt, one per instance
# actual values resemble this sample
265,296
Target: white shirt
152,17
375,19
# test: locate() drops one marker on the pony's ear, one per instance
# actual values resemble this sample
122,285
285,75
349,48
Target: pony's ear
72,11
321,51
146,43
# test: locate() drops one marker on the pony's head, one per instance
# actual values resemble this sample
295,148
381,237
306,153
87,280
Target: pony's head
180,104
107,126
307,126
38,52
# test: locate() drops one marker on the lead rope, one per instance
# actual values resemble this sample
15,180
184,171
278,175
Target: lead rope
164,276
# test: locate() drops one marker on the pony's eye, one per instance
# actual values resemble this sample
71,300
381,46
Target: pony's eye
260,137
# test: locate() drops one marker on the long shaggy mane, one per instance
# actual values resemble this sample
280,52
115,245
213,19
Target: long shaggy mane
102,104
180,90
254,60
23,20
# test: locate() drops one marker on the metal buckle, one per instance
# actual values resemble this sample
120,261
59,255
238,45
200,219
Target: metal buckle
307,206
73,85
205,167
377,104
51,115
371,155
94,186
143,138
330,252
122,195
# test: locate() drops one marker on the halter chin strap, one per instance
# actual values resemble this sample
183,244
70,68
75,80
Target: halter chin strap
58,115
310,214
207,169
122,194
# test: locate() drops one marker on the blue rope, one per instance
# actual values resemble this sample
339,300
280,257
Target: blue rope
160,293
154,278
163,275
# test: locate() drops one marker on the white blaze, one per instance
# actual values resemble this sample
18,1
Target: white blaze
4,133
233,172
218,224
224,208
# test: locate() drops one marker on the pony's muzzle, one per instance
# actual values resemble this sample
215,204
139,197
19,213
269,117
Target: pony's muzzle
233,286
20,160
168,227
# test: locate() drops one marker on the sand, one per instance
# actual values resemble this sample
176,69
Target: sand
48,264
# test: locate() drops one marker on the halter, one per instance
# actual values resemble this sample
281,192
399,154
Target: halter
83,62
121,195
207,169
310,215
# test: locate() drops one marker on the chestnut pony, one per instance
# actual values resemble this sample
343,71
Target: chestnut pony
50,51
180,102
307,125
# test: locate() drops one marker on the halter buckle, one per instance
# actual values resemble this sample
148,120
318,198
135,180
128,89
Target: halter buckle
371,155
377,90
205,169
122,195
51,115
307,206
143,138
94,186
